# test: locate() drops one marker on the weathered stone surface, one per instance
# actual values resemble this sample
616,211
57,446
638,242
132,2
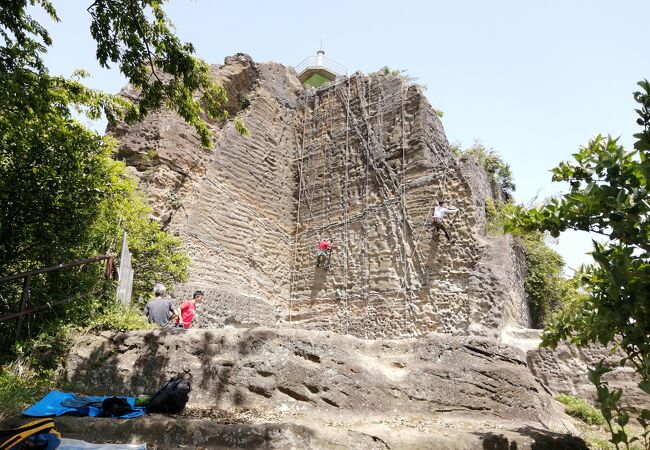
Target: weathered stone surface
363,161
372,163
288,388
162,432
316,370
565,370
233,206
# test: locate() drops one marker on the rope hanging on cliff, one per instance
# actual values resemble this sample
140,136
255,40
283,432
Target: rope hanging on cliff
407,292
389,179
295,239
365,275
346,201
441,183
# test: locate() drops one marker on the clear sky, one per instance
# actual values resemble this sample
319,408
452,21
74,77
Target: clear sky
532,79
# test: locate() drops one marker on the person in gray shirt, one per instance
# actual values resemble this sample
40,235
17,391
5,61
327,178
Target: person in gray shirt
161,310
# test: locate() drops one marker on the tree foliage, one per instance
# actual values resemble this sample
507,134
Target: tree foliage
608,195
62,197
135,35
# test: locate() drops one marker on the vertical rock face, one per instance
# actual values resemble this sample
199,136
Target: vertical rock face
362,161
372,164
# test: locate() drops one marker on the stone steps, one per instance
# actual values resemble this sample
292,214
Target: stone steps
170,433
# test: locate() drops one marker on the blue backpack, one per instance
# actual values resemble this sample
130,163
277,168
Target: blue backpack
38,434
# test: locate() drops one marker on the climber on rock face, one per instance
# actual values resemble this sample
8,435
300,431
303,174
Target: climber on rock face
437,220
324,252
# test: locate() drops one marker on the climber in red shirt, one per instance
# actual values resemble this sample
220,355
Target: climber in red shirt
324,251
188,309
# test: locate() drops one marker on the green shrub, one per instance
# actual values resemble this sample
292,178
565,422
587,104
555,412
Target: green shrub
31,374
407,79
157,256
491,161
119,318
581,410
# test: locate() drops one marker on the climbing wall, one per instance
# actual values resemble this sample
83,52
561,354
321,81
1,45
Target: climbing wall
372,162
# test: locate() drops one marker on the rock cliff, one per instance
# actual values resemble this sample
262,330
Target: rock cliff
406,342
362,161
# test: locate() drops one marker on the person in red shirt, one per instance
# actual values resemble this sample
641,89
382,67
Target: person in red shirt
188,309
324,251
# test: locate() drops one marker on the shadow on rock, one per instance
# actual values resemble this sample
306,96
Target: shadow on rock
102,373
542,440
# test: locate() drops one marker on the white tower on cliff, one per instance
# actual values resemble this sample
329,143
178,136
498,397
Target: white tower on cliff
318,70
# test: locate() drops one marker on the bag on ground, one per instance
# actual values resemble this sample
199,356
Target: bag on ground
36,435
171,397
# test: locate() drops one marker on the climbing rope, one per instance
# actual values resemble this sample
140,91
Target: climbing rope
408,307
346,200
365,275
383,180
295,238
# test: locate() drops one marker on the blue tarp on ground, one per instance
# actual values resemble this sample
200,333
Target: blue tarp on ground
53,405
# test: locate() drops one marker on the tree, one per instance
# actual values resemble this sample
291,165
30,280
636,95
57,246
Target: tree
608,195
61,194
133,34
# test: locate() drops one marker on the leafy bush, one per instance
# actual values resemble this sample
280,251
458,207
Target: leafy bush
156,255
401,73
119,318
491,161
608,193
387,71
580,409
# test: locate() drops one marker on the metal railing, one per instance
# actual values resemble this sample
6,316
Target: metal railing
321,62
27,281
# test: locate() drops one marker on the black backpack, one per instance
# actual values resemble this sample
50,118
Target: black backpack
116,407
171,397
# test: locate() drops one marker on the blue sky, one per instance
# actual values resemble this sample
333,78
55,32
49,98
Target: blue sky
532,79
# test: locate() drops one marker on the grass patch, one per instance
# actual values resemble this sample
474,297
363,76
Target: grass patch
581,410
20,386
598,443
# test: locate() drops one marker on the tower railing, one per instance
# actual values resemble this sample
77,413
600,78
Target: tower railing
321,62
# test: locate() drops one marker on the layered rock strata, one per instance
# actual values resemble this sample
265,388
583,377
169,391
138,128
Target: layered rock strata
311,389
362,161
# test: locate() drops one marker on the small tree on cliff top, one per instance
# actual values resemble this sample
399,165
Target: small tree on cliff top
608,195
